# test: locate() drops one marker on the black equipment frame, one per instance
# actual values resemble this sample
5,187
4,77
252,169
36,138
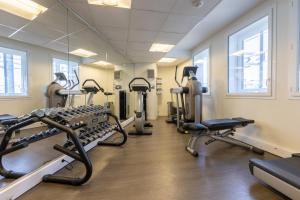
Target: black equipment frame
80,154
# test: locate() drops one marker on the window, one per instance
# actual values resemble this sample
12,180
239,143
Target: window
13,72
201,60
249,67
68,68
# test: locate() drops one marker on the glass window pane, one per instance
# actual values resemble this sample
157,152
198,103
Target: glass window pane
201,60
248,59
2,75
13,72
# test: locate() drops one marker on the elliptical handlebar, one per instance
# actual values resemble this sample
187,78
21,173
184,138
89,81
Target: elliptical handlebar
77,81
95,82
176,76
139,78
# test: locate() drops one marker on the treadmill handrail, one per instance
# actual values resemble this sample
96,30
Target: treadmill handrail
75,84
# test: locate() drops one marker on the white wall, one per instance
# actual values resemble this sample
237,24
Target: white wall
167,75
140,70
39,76
276,119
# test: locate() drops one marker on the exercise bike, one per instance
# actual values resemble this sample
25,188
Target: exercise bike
141,126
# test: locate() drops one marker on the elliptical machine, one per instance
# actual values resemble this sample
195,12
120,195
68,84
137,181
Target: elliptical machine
141,126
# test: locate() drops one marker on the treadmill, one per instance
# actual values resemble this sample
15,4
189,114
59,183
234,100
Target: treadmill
282,174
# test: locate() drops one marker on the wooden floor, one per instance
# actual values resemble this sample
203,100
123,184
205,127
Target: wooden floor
158,168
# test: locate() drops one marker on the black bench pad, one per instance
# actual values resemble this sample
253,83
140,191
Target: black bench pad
285,169
194,127
222,124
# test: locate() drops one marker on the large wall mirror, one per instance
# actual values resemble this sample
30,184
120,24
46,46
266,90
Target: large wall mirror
58,45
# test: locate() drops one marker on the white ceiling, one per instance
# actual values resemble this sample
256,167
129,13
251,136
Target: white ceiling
221,16
132,31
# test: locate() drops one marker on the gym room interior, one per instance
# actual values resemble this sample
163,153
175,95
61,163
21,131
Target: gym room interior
149,99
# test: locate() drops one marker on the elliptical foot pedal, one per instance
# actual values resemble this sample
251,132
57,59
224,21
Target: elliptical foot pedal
192,151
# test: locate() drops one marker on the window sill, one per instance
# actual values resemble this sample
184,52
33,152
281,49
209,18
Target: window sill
8,98
249,96
294,96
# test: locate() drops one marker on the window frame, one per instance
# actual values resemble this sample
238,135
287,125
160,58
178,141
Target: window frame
270,94
294,61
26,73
201,50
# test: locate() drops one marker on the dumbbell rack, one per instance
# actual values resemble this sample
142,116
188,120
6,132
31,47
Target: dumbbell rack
85,127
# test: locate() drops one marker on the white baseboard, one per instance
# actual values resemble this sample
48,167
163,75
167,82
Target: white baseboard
266,146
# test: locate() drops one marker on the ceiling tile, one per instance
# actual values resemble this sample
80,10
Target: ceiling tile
169,38
141,36
12,20
5,31
121,45
147,20
144,58
32,38
107,16
114,33
185,7
43,30
154,55
46,3
82,8
57,46
180,23
140,46
154,5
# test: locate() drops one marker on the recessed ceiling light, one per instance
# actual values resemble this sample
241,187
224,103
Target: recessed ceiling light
156,47
23,8
101,63
113,3
83,53
197,3
167,60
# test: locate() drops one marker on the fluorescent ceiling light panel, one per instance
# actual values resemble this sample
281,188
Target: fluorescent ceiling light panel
83,53
23,8
112,3
167,60
157,47
101,63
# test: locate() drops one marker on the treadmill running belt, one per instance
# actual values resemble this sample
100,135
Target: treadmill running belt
286,169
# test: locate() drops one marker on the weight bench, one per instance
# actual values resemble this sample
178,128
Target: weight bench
217,130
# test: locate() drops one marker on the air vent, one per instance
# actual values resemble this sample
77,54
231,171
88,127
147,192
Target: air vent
150,73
